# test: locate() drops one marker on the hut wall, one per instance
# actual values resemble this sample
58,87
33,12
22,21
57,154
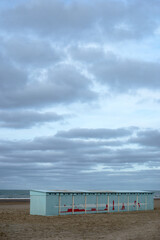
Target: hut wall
64,203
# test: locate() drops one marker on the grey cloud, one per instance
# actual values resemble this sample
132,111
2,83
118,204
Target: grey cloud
119,74
31,52
70,150
64,84
87,55
34,73
67,145
61,159
150,138
61,84
11,77
47,17
27,119
84,19
124,75
39,38
95,133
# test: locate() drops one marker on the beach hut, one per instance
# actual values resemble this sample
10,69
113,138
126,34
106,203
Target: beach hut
52,203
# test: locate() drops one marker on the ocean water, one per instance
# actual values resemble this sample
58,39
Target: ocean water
14,194
26,194
156,194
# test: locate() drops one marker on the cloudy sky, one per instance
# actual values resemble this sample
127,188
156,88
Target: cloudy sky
80,94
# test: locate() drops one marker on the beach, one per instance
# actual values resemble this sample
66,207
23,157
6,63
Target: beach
17,223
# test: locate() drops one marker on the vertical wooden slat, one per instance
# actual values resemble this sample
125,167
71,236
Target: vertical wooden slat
59,209
108,203
97,203
118,202
146,201
72,204
137,202
85,202
128,202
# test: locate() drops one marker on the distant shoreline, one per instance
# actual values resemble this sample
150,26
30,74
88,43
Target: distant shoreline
14,200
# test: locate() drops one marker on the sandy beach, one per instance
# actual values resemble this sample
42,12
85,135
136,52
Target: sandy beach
17,223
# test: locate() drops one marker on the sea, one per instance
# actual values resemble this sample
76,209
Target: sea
25,194
156,194
14,194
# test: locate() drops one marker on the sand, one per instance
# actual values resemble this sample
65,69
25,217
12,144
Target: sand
17,223
157,203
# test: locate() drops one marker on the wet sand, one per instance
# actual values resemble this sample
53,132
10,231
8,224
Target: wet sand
17,223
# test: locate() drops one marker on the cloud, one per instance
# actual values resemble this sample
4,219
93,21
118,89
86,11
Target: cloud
79,57
89,55
112,19
11,76
49,17
55,159
47,68
95,133
31,52
27,119
61,84
117,73
124,75
150,138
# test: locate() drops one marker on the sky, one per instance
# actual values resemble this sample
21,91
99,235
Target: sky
80,94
